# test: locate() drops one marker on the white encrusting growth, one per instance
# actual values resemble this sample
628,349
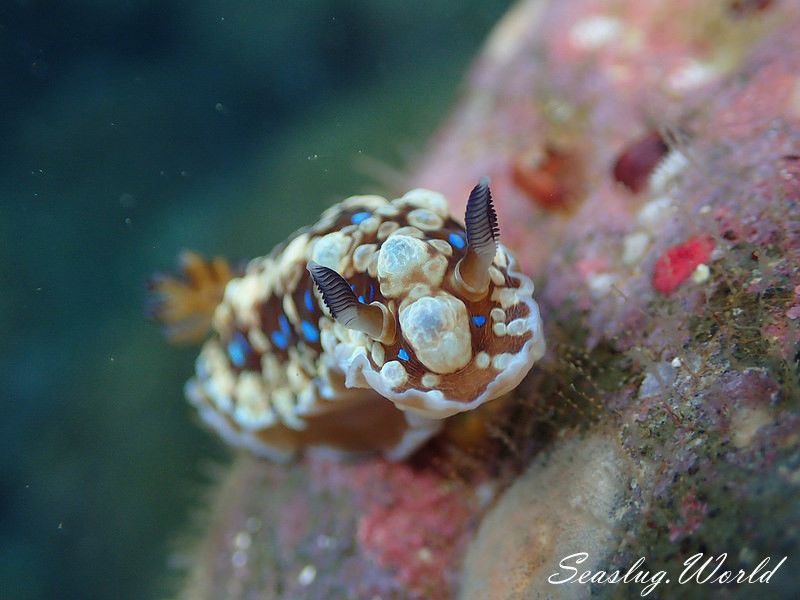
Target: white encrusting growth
437,328
595,31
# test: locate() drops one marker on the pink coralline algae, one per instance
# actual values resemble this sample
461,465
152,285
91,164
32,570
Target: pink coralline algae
678,263
417,531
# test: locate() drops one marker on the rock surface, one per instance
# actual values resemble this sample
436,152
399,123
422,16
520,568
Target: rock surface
665,419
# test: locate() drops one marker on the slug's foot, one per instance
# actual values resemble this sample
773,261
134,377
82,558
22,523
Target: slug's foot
184,303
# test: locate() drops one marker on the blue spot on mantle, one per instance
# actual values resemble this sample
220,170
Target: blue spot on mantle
280,340
238,350
309,331
360,216
479,320
309,300
402,354
456,240
283,322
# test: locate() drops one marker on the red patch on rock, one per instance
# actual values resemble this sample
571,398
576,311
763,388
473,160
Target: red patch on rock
552,180
679,262
692,512
634,165
746,8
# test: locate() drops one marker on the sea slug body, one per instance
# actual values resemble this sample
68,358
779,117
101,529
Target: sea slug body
365,330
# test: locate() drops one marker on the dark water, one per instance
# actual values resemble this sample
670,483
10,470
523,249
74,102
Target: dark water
130,130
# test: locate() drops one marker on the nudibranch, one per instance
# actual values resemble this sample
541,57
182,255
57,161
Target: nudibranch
366,330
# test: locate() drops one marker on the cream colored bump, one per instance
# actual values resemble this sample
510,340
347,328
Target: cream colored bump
423,198
322,225
498,315
417,291
258,340
220,399
296,376
362,256
425,219
496,276
394,374
308,401
378,354
370,225
243,294
217,364
305,358
219,380
223,317
252,403
294,252
505,296
438,330
499,329
290,309
331,250
402,260
271,369
283,404
410,231
349,229
328,341
442,247
482,360
370,202
332,213
501,361
517,327
341,332
501,258
386,229
269,274
434,270
388,210
430,380
372,267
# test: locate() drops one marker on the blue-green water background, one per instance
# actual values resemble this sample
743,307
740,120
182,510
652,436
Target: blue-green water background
130,130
